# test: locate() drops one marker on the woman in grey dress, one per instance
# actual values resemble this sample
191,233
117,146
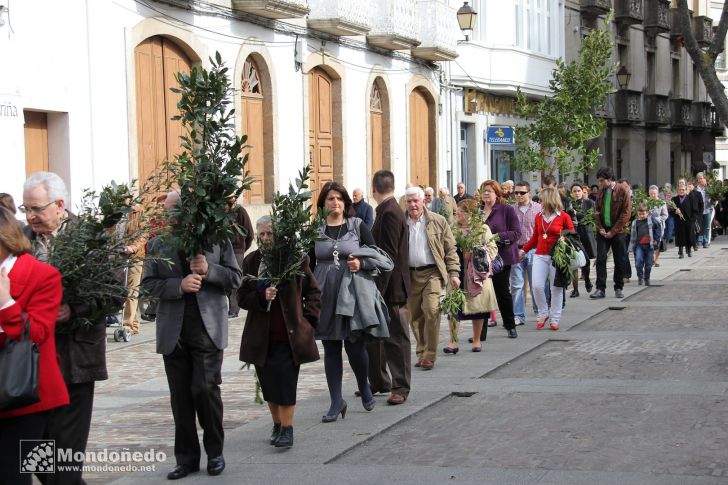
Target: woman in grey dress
341,236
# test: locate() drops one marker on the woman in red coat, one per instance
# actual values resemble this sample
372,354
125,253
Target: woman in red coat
32,288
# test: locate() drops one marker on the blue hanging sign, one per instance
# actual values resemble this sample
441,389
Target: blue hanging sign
500,135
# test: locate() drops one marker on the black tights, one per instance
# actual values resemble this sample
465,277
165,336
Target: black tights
334,367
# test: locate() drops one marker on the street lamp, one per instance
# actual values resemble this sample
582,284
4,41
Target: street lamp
466,19
623,76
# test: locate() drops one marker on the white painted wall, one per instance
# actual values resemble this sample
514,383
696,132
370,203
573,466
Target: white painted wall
76,60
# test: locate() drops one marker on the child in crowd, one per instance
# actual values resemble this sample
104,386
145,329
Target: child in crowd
644,239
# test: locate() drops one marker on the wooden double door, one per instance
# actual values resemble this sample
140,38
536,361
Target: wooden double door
157,60
321,129
421,139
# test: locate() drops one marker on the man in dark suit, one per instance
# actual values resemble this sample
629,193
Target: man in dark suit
192,331
363,210
392,235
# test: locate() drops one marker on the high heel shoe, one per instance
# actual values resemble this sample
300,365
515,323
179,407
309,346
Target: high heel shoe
451,350
330,418
368,405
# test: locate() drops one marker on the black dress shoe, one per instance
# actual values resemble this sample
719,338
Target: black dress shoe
148,318
512,333
181,471
574,294
216,465
589,287
274,433
285,438
597,294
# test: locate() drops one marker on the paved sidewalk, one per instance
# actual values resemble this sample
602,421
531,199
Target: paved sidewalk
628,391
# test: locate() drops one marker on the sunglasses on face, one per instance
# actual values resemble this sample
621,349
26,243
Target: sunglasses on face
520,192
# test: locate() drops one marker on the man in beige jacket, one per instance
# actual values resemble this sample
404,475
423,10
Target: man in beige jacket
433,261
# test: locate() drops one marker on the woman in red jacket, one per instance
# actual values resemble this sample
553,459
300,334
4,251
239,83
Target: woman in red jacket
546,231
33,289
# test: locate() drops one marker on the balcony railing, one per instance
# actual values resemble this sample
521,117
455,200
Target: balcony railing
701,116
595,8
438,31
274,9
394,24
680,113
628,106
657,110
716,125
628,12
605,111
657,16
338,17
703,28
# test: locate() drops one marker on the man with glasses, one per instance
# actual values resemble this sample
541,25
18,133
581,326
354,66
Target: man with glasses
82,352
526,209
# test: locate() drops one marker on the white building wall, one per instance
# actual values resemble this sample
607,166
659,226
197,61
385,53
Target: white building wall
75,60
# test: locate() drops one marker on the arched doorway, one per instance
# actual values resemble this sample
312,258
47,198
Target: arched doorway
379,126
252,110
322,131
157,60
422,138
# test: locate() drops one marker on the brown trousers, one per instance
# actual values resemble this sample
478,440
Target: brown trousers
133,279
395,352
424,309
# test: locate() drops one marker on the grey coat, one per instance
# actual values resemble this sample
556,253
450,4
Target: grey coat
163,281
359,297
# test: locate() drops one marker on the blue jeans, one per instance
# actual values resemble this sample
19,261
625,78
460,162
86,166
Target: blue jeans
704,238
670,228
643,258
517,281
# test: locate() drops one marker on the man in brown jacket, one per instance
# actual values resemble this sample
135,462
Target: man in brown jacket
433,261
612,211
391,235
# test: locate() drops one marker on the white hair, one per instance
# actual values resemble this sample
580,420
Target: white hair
263,221
653,187
53,184
415,191
508,182
444,190
429,190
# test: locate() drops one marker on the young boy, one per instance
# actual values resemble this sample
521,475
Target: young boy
644,239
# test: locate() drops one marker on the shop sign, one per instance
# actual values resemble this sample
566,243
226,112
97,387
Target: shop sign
500,135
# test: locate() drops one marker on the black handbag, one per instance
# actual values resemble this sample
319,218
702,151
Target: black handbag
483,264
19,361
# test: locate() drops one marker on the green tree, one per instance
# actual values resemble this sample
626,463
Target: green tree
563,124
209,172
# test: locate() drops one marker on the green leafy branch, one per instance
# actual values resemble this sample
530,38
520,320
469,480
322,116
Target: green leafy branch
294,231
210,171
450,305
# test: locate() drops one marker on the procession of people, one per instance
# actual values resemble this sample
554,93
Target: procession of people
371,285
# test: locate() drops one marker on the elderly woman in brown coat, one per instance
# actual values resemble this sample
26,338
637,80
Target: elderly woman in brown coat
278,340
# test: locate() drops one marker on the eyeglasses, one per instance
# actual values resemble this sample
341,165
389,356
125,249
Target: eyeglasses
519,192
35,210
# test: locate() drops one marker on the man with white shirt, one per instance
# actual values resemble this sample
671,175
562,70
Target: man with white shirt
526,209
433,261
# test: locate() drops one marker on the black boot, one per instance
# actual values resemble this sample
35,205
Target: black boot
285,437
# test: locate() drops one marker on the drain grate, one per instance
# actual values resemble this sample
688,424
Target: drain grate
464,394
